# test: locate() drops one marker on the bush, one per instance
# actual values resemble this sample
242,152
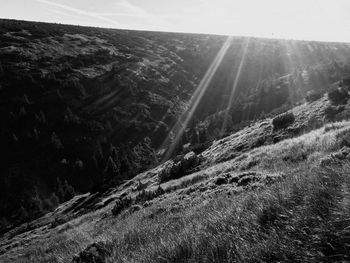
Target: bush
94,253
144,195
313,96
330,112
171,171
178,169
60,220
120,205
200,147
283,120
346,83
338,96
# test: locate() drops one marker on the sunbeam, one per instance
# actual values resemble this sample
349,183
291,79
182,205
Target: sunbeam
236,80
186,117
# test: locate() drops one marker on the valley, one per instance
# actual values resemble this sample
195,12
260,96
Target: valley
139,146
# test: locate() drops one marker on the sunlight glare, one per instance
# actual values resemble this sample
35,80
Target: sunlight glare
186,117
235,83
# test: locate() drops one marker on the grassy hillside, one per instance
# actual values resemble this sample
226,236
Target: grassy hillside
284,199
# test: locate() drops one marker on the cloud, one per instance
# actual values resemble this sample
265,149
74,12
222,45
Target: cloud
55,11
155,21
300,19
127,10
80,12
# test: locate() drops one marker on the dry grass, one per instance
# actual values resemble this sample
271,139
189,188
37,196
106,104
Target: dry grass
290,152
304,218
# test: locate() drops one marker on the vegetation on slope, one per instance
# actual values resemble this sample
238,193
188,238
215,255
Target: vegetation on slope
84,109
285,201
304,219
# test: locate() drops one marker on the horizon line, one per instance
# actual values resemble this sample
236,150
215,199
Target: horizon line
180,32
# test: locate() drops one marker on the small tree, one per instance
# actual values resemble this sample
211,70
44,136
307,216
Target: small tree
59,189
41,117
64,191
47,204
54,200
14,138
37,206
25,99
4,223
36,134
23,214
22,112
56,141
111,167
70,117
69,191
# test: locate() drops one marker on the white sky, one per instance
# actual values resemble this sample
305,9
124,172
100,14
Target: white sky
327,20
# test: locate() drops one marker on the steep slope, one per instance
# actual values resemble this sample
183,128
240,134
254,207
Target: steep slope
238,195
87,108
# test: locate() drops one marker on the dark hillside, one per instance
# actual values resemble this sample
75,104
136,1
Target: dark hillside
274,191
86,108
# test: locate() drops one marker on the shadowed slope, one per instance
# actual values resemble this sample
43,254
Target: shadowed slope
283,201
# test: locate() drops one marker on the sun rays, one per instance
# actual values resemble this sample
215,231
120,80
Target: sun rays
274,67
245,46
245,78
186,117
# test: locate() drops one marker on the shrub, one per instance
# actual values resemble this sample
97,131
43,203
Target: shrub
338,96
283,120
171,171
201,147
178,169
331,111
346,83
313,96
59,220
144,195
314,123
94,253
120,205
220,180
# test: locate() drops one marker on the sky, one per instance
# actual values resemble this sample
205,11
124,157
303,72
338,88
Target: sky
323,20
